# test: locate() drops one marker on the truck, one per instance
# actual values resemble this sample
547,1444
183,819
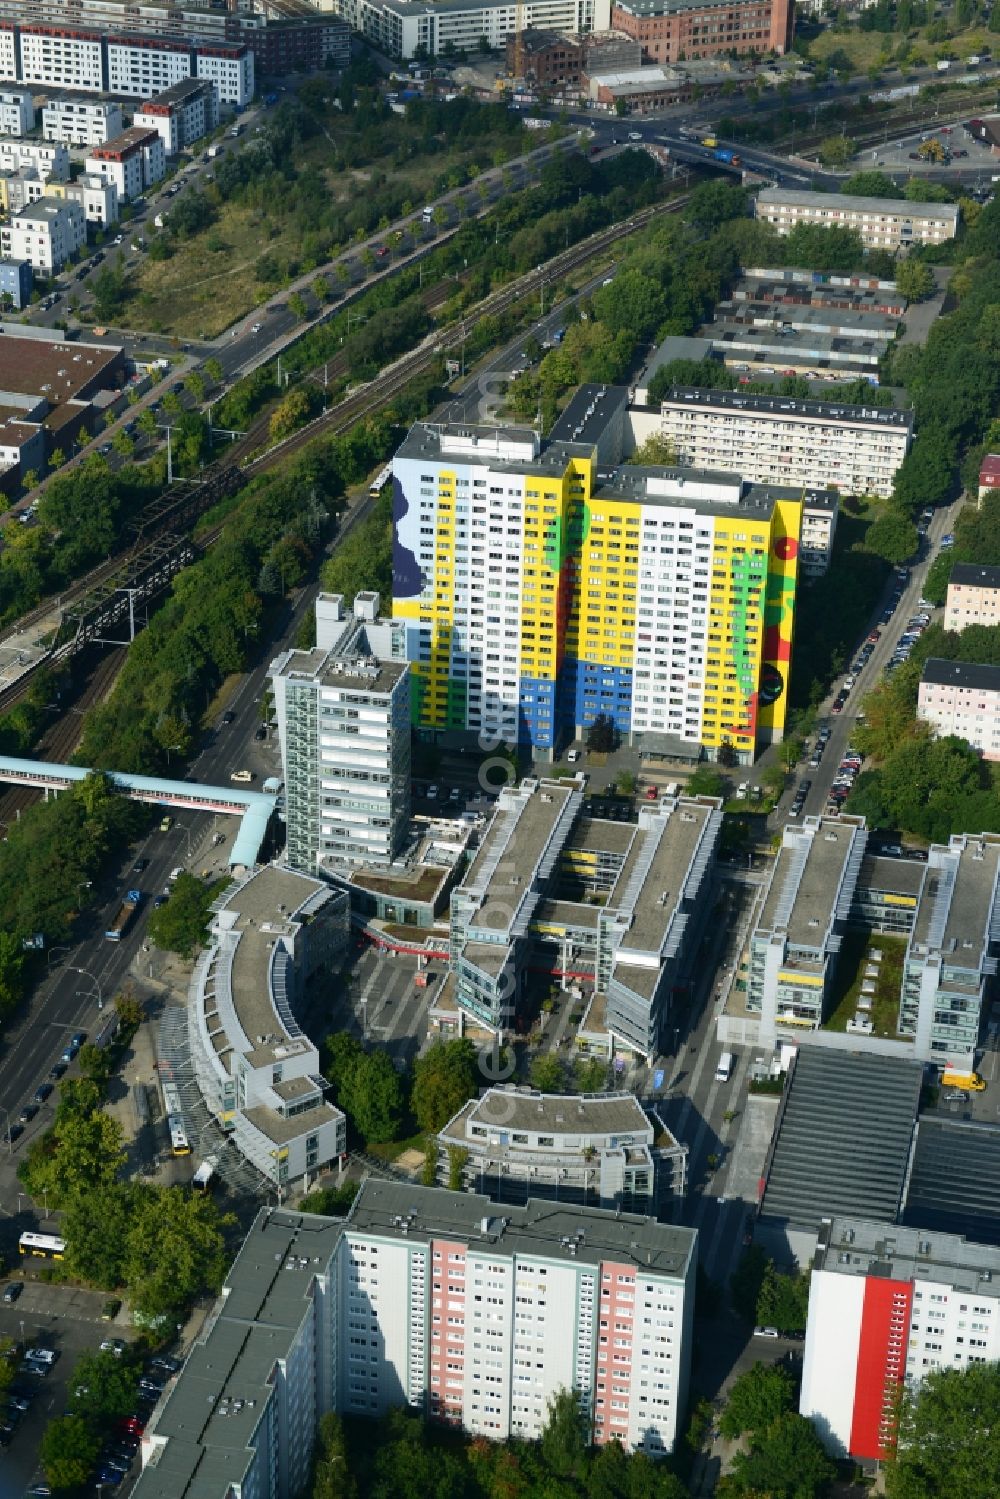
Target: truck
127,909
971,1082
428,214
214,149
709,140
724,153
943,66
724,1070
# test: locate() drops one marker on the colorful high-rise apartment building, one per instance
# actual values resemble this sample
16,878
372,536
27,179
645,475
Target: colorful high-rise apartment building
539,591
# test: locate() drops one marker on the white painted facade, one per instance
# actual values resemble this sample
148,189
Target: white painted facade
401,26
82,122
775,440
46,234
17,111
49,160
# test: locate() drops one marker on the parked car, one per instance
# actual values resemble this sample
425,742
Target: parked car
12,1291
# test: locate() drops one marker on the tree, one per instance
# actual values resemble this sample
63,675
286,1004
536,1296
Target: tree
376,1097
213,370
758,1398
590,1074
181,923
174,1250
332,1478
56,458
563,1440
785,1461
298,306
103,1387
656,450
869,184
836,151
290,413
444,1078
949,1436
746,1281
194,384
892,535
602,736
915,279
68,1450
81,1153
547,1073
783,1300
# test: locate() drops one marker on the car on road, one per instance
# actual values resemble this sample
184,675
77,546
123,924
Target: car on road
166,1364
432,793
27,1113
77,1039
766,1332
159,900
12,1291
256,327
57,1070
140,866
242,777
229,716
260,732
42,1092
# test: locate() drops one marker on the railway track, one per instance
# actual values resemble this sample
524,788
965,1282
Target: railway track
372,397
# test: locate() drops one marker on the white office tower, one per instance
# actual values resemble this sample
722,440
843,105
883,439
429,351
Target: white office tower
343,711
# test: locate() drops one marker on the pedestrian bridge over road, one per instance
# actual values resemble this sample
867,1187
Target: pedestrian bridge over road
253,808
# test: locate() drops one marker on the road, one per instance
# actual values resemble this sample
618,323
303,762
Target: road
92,969
842,726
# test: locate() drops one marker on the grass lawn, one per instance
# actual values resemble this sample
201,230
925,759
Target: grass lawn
396,1148
210,281
850,975
869,49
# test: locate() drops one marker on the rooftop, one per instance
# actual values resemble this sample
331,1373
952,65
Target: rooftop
956,911
672,838
509,449
899,876
268,904
967,674
797,344
567,913
210,1415
792,410
508,859
704,491
842,203
807,878
971,575
528,1111
586,417
597,835
178,93
135,138
842,1137
345,670
847,322
587,1235
859,1246
954,1180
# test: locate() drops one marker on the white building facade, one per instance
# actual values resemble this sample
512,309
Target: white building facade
181,115
883,223
958,697
47,234
97,196
76,58
401,26
17,111
973,596
82,122
888,1305
343,712
258,1073
133,162
772,439
48,160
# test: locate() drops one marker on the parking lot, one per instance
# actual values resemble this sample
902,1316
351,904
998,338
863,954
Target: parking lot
955,148
68,1321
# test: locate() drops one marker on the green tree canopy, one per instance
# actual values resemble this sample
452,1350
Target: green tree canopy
757,1399
69,1447
949,1436
103,1387
785,1461
915,279
444,1078
181,923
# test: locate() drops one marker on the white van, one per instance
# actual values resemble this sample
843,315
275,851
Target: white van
724,1071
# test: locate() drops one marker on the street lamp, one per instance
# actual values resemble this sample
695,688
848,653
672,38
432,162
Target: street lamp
72,968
